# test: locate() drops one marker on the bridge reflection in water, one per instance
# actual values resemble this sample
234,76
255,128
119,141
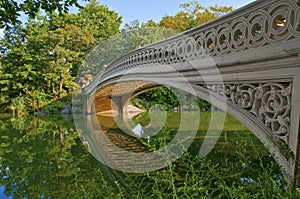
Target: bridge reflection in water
236,149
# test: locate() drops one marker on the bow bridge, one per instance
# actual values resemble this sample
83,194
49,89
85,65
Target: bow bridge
246,63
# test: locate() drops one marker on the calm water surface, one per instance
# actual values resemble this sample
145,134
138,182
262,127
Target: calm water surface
44,157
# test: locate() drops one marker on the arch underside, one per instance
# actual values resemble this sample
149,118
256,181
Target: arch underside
264,108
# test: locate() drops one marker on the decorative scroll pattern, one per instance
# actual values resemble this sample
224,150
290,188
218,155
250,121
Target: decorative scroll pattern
270,102
271,22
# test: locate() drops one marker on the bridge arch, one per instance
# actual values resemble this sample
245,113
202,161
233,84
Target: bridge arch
256,51
264,134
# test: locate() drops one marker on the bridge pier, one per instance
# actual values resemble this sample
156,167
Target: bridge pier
88,103
118,101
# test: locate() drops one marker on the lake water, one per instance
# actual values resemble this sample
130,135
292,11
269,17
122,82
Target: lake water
45,157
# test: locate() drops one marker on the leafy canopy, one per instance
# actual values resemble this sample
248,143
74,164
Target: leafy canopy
10,9
40,61
193,15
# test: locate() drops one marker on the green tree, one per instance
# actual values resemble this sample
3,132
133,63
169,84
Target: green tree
97,23
180,22
98,19
19,74
134,35
69,47
40,61
193,14
10,9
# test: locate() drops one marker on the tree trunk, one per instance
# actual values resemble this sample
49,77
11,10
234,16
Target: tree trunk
60,86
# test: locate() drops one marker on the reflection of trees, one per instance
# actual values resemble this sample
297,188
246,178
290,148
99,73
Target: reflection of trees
45,158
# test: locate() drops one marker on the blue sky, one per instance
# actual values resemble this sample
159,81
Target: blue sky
143,10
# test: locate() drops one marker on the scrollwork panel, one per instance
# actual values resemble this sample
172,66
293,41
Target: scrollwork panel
270,102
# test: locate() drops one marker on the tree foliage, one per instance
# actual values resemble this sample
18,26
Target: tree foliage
40,61
133,36
10,9
97,19
193,14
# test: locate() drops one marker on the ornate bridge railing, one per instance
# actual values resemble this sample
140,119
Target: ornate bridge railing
255,50
259,25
